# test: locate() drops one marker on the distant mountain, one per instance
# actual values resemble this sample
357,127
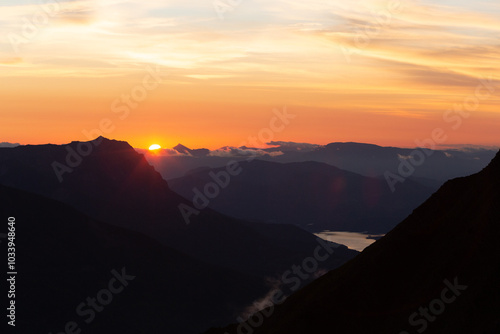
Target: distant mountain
185,150
5,144
181,149
312,195
436,167
64,257
373,160
436,272
109,181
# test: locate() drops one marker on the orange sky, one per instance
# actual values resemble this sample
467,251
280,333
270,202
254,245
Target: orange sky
383,72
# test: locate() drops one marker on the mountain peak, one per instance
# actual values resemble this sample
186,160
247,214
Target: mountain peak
199,152
111,143
182,149
101,143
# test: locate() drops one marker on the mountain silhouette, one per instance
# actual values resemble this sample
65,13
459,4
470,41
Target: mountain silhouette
196,152
115,184
436,272
312,195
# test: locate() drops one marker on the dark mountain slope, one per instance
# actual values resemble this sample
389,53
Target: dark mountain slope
312,195
452,239
63,257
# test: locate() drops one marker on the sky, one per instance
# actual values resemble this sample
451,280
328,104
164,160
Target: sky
212,73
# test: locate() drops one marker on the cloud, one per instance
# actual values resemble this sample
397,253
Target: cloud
264,302
404,157
430,75
80,16
292,146
11,60
242,152
163,152
419,34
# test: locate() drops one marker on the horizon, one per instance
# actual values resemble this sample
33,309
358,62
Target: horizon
383,72
438,147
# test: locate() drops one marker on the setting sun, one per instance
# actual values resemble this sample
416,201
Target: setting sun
154,147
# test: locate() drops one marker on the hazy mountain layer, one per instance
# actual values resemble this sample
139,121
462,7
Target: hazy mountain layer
312,195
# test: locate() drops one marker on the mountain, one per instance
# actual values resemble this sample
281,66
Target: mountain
63,257
196,152
182,149
436,272
374,160
312,195
6,144
109,181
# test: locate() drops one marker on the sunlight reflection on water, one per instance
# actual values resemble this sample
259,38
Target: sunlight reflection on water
353,240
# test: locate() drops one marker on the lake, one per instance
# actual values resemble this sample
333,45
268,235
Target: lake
354,240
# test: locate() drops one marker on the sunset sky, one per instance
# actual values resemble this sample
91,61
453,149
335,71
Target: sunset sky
386,72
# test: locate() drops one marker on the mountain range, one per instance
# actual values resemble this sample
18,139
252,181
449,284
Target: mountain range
434,165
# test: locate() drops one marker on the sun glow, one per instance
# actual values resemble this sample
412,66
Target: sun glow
154,147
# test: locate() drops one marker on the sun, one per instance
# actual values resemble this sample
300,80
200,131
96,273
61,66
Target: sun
154,147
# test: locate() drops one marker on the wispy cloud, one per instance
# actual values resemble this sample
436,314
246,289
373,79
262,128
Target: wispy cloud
10,60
